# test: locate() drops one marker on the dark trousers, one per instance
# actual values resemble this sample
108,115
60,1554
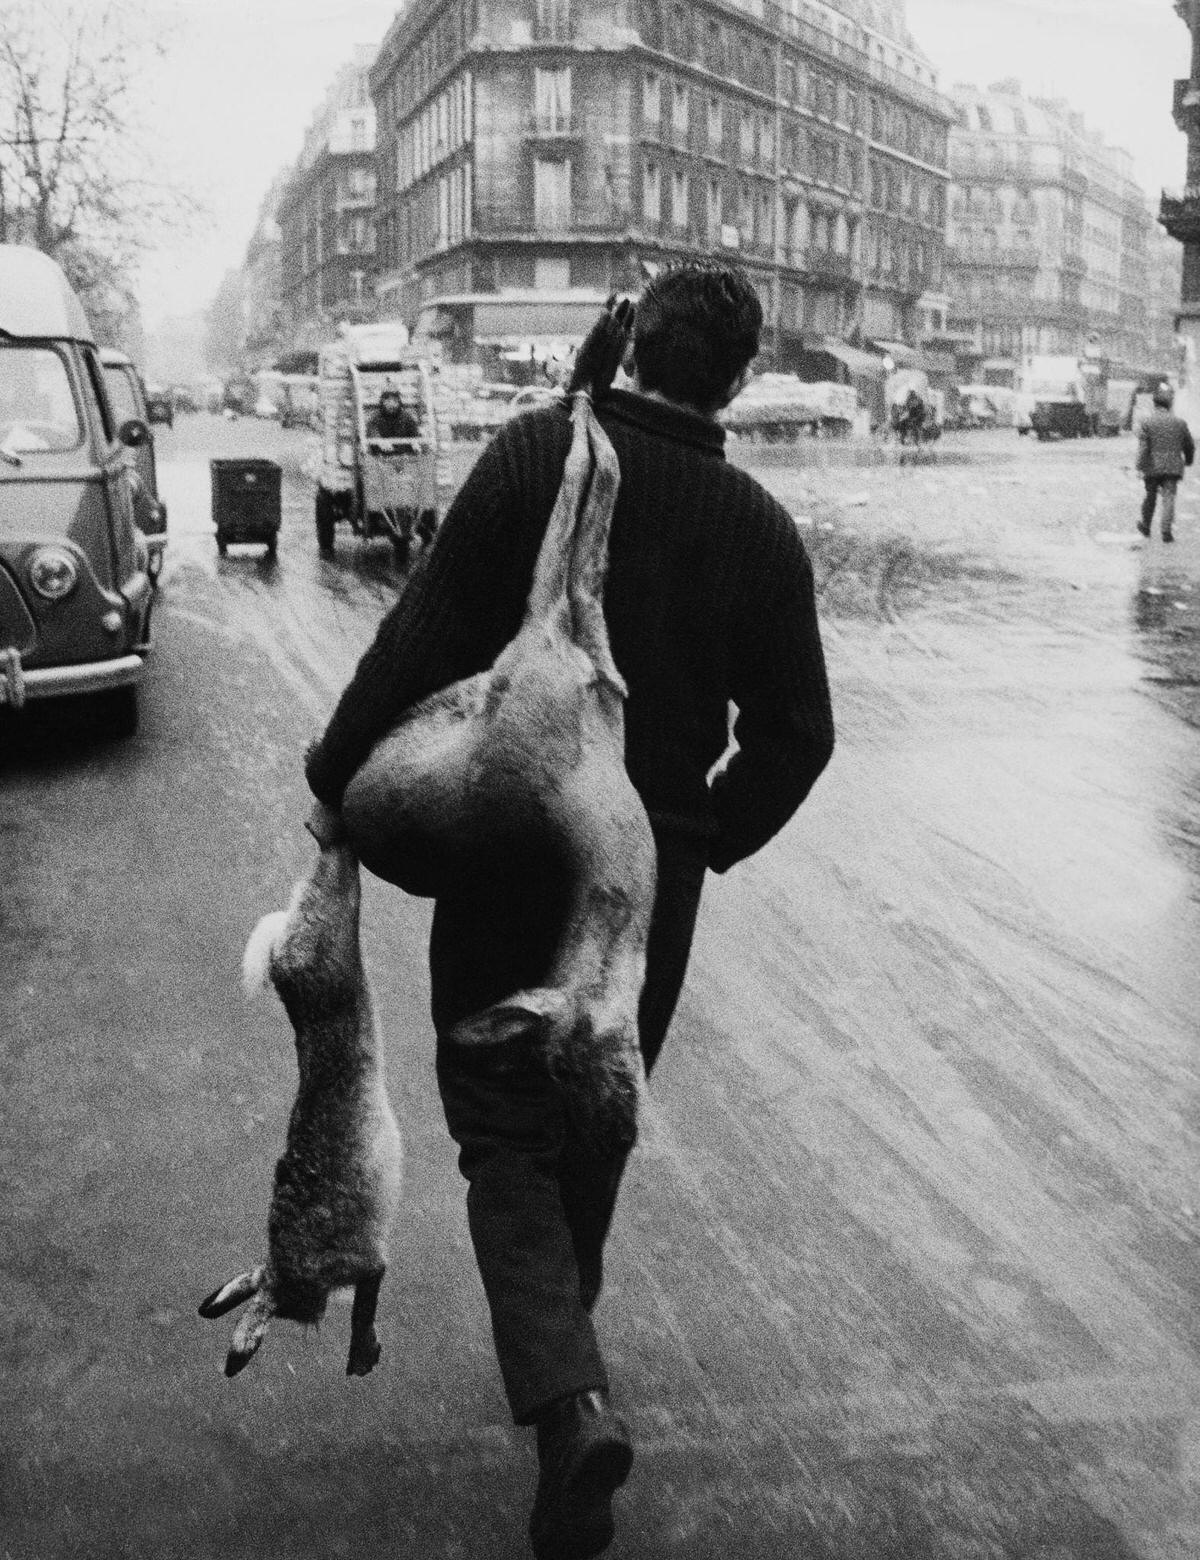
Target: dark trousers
1168,487
539,1202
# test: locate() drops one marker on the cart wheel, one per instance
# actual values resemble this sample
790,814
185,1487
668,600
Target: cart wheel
325,523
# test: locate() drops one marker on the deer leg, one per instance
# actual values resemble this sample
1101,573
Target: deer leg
364,1341
232,1293
250,1332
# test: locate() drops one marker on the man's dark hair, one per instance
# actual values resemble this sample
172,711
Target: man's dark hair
697,327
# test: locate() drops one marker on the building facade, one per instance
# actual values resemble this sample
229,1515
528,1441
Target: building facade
535,155
326,216
1179,213
1048,242
262,283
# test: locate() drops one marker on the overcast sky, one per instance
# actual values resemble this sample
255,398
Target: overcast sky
243,78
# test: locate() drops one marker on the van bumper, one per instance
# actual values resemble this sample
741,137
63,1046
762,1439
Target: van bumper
18,684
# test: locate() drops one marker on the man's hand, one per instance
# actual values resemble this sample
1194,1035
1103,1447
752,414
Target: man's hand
602,349
325,825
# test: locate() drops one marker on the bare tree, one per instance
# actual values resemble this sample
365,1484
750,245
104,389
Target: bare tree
75,157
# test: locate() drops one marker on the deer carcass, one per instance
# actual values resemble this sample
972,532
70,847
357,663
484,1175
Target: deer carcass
337,1186
533,751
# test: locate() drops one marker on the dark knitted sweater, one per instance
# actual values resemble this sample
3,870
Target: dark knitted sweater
709,601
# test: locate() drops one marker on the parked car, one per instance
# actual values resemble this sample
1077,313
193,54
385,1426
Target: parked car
75,589
127,396
160,405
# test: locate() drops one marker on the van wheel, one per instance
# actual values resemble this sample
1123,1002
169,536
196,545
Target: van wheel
118,710
325,522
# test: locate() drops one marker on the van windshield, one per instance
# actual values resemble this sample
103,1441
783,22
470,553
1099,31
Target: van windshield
38,411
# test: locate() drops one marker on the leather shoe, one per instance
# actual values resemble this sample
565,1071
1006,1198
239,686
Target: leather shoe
585,1455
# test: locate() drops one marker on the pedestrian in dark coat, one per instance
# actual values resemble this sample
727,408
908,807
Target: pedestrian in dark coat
1165,448
709,602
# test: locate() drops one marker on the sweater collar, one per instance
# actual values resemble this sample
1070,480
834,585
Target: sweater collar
669,422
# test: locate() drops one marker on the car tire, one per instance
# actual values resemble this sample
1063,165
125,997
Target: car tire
118,710
273,548
222,545
325,523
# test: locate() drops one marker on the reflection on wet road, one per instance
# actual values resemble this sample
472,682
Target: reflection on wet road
908,1263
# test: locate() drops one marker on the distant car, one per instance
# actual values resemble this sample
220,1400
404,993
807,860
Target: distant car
128,400
75,589
534,395
160,405
264,406
184,398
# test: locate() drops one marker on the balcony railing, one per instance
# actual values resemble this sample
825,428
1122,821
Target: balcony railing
993,170
1075,179
1186,104
1009,257
553,127
1179,213
1074,264
552,21
502,218
825,264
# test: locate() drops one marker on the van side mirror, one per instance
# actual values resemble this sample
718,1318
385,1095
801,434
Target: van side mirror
134,433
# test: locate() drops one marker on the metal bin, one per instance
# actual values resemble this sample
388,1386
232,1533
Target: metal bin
246,502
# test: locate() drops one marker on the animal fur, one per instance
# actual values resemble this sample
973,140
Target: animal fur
534,750
337,1186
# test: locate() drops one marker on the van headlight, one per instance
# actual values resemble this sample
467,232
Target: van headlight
53,573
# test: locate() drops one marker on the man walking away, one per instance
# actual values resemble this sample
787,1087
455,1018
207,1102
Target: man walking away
1165,447
709,601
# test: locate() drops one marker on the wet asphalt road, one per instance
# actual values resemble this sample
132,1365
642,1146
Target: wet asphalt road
908,1262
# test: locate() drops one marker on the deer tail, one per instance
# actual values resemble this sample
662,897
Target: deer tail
264,939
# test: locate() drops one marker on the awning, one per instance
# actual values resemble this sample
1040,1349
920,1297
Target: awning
858,362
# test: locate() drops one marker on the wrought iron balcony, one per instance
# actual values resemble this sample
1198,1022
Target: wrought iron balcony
1179,213
1009,170
1074,264
553,127
1006,257
1075,179
1186,107
826,265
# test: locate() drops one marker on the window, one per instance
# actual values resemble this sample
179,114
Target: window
552,99
679,199
551,195
552,19
651,192
651,98
716,211
716,128
37,409
746,140
679,110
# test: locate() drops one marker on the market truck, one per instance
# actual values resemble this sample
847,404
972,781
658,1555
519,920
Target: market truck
1069,395
393,488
